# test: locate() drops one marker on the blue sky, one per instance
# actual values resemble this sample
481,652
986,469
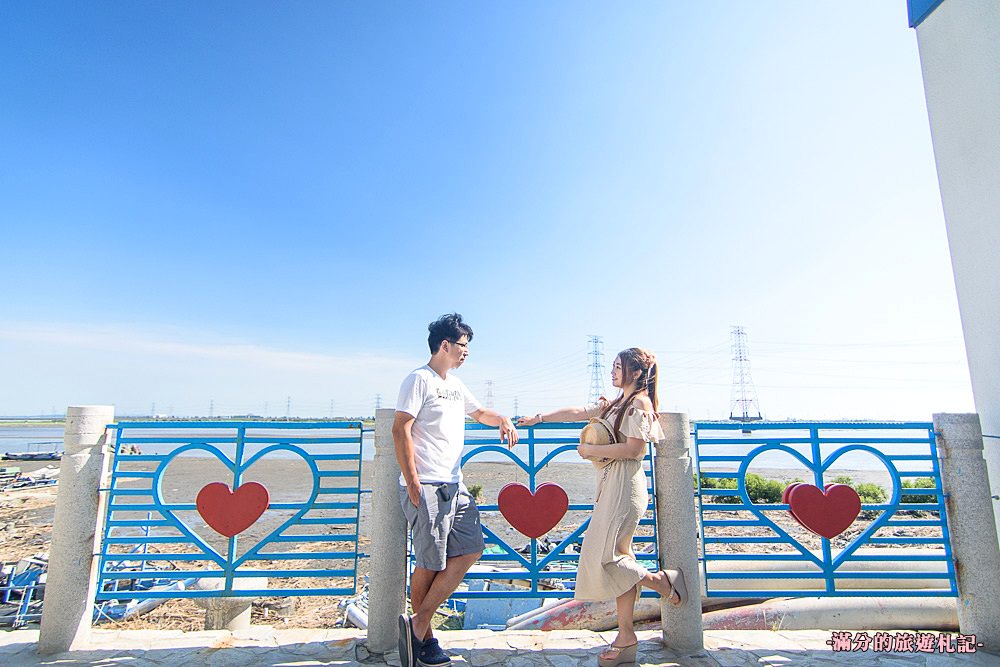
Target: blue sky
260,205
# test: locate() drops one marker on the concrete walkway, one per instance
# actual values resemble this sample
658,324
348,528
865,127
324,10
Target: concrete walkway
263,645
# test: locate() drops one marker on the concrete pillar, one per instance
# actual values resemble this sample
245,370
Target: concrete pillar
228,613
959,44
677,531
972,526
71,583
387,578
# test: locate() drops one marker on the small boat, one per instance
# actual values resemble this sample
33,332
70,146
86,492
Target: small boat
33,456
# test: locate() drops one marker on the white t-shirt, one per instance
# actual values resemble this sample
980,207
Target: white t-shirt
439,407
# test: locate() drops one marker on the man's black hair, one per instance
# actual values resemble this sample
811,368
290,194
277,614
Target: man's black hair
447,327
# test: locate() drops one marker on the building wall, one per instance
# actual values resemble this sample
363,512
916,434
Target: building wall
959,44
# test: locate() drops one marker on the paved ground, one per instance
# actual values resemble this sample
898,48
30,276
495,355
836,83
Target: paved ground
263,645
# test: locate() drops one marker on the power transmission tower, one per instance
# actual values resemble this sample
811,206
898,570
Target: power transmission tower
517,411
596,355
211,408
288,407
743,404
489,393
378,401
331,408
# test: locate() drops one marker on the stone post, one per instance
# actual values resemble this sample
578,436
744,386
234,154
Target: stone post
71,583
228,613
387,579
972,526
677,531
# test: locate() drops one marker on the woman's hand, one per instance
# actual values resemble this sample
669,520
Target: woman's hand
530,421
583,450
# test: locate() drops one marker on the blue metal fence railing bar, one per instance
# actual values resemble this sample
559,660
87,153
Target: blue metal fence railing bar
541,446
308,531
750,533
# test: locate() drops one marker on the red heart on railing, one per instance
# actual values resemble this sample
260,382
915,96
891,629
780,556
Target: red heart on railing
228,512
535,514
827,512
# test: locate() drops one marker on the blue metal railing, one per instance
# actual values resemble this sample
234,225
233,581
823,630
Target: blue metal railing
316,534
906,450
559,564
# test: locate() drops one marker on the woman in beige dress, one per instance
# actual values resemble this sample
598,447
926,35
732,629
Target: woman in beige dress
608,568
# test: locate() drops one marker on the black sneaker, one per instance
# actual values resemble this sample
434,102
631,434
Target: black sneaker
409,645
432,655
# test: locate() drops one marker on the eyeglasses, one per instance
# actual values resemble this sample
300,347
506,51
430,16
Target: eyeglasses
464,346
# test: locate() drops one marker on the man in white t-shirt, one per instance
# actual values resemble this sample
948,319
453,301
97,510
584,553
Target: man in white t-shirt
429,434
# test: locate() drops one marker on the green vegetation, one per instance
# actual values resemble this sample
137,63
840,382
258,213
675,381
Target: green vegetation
760,489
918,483
763,490
476,490
718,483
768,491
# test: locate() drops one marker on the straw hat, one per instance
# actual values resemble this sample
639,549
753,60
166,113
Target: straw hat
598,432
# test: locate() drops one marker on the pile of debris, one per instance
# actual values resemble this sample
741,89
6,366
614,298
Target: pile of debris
12,478
22,587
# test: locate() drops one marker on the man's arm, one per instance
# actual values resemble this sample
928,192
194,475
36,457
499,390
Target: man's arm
493,418
402,440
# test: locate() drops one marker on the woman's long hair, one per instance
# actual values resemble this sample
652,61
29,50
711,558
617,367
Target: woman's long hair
634,359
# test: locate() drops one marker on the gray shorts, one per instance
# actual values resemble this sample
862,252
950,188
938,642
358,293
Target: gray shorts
445,525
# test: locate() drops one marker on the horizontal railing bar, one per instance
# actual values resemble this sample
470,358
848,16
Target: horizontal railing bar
846,426
302,440
734,522
264,592
744,556
906,540
160,574
730,459
343,572
150,507
149,539
137,523
351,537
331,521
914,522
743,540
851,592
156,556
300,555
824,575
911,557
702,441
175,440
236,424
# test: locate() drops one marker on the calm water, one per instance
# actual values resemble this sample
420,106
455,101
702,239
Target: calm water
31,439
44,439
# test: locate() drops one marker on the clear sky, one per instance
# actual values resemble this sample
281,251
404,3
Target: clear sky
258,207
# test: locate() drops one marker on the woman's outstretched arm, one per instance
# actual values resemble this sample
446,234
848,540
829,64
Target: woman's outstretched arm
560,415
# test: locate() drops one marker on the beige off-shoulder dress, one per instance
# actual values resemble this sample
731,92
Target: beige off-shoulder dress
607,565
